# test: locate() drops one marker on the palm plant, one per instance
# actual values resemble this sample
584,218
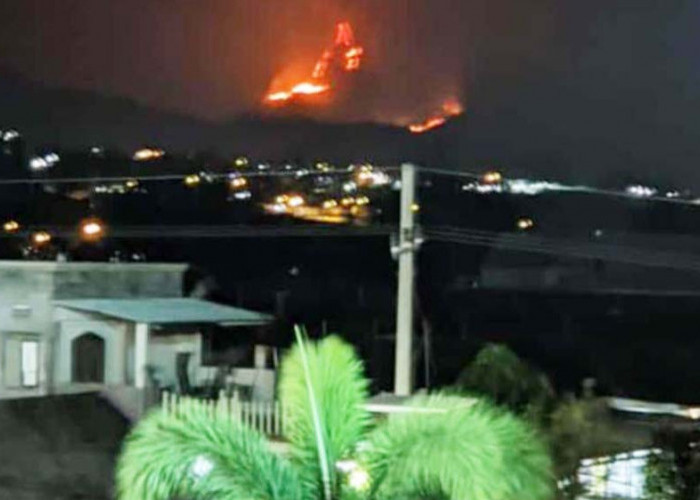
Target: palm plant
447,448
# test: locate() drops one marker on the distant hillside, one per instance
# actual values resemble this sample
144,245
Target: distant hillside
71,118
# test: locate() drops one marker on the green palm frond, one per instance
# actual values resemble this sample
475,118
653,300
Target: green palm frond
340,390
200,455
472,450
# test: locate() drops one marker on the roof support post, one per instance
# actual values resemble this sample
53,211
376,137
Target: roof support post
141,354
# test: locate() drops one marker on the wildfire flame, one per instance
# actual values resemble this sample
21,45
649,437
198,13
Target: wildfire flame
449,109
345,53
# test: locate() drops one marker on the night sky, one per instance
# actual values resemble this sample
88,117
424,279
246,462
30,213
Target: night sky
586,85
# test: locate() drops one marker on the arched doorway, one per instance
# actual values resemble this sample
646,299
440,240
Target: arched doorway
88,355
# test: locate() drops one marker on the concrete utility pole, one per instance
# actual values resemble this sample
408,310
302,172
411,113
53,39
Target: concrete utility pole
403,375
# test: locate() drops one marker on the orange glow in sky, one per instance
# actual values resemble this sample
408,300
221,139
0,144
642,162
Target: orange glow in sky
344,52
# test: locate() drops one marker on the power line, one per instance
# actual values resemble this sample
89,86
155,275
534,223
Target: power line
299,174
581,250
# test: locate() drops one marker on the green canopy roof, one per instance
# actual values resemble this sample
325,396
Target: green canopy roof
167,311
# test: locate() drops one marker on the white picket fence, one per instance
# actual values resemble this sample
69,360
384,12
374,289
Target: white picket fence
264,417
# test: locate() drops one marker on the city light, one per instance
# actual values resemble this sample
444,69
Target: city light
192,180
525,224
638,191
11,226
41,238
148,154
132,183
39,163
492,177
328,204
238,183
243,195
241,162
295,201
367,176
92,229
415,208
9,135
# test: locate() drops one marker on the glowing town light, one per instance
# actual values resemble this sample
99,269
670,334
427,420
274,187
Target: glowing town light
41,238
92,229
415,208
296,201
492,177
525,224
347,201
641,191
148,154
362,200
11,226
52,158
38,163
241,162
192,180
238,183
329,204
10,135
243,195
132,183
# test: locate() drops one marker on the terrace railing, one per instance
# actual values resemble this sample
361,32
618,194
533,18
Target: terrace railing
265,417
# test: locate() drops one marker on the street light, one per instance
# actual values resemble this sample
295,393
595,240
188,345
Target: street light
92,229
525,224
192,180
41,238
11,226
239,183
492,177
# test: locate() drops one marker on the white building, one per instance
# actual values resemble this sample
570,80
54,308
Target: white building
66,327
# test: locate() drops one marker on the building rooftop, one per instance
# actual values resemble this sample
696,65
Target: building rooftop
90,266
167,311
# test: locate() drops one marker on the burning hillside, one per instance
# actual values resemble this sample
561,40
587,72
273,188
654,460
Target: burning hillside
344,53
345,56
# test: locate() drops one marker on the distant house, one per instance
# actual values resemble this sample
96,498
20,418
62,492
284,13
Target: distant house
69,326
